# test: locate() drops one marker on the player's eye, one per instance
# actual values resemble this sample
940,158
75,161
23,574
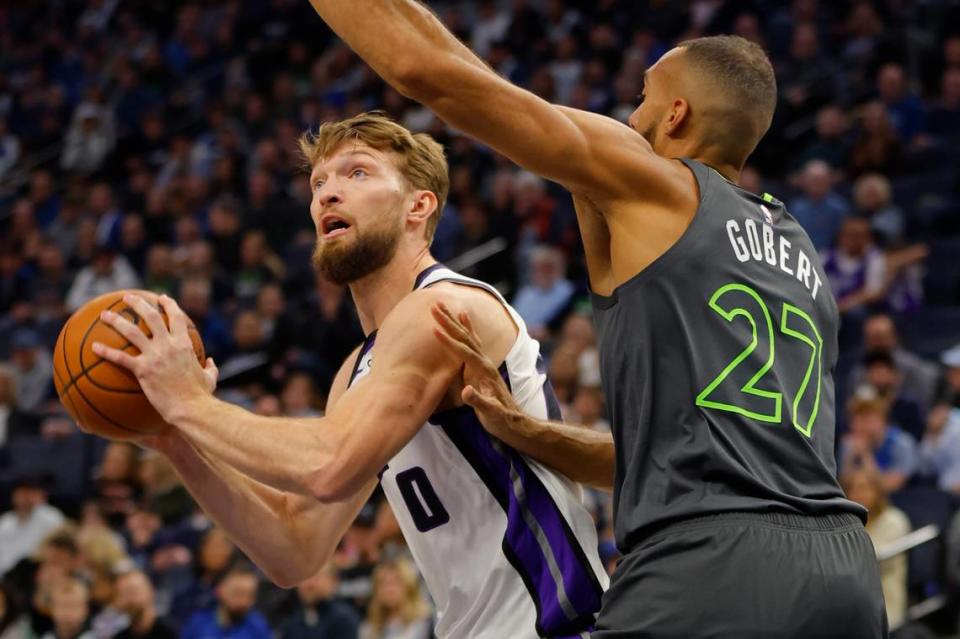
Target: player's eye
317,185
358,173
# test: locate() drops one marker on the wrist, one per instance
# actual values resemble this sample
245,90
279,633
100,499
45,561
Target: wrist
187,412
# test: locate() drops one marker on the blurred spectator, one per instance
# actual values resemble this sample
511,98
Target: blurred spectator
159,275
877,148
163,493
885,524
855,268
951,361
587,409
234,615
115,482
9,148
905,108
320,616
874,443
52,281
943,121
28,523
215,557
872,199
806,81
247,367
258,266
548,295
89,139
920,378
32,368
13,421
135,598
884,380
563,373
940,447
108,272
70,610
299,397
398,609
819,210
195,299
13,623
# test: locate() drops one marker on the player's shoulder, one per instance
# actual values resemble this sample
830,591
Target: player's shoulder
342,379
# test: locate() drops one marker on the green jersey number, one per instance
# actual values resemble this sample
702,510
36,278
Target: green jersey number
740,381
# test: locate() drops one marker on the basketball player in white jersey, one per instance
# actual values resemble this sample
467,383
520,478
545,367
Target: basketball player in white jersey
505,545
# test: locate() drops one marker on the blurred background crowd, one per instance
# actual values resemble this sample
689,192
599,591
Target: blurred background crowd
153,145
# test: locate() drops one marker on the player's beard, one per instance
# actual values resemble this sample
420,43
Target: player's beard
343,262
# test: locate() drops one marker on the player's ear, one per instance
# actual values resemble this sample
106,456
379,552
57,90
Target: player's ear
677,115
422,206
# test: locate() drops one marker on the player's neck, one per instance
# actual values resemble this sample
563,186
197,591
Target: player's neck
709,155
376,294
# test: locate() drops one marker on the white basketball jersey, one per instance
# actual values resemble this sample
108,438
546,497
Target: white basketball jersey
505,545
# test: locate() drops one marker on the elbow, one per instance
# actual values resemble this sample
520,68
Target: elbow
419,78
291,574
330,483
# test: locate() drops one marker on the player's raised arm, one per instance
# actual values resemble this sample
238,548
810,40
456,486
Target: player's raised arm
409,47
581,454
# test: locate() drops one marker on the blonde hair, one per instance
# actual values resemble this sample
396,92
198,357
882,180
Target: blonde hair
414,606
102,551
419,158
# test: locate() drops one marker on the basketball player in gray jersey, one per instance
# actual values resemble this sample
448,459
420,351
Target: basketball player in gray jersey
717,337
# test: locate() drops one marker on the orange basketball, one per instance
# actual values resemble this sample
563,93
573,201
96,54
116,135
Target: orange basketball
102,397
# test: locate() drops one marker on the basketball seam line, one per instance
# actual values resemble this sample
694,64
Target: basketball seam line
66,361
81,393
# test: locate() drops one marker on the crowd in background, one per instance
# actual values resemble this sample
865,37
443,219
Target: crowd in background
153,145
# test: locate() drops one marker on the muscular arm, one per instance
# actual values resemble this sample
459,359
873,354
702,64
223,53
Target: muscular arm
409,47
289,536
581,454
333,457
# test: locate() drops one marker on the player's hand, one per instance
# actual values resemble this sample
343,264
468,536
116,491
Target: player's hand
484,389
167,366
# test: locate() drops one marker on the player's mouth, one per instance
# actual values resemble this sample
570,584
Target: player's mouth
332,226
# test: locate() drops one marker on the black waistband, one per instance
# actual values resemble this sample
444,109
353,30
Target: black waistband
823,522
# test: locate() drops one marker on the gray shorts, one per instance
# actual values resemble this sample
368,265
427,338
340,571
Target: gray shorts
746,576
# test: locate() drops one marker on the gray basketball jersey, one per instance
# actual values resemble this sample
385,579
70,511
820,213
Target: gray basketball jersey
717,365
504,544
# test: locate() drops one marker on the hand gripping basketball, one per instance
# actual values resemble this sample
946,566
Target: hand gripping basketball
166,367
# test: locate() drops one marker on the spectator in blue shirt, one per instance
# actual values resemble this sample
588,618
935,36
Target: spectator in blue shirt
234,616
819,210
940,447
548,295
872,441
905,109
320,616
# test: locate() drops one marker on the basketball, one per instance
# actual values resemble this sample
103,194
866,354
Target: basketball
103,398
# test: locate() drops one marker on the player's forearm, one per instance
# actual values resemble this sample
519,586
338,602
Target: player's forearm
282,533
399,39
293,455
581,454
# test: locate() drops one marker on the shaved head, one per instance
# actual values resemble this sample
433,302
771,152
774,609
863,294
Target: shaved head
738,86
718,94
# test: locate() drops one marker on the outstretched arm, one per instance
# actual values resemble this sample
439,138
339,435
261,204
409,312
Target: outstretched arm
409,47
329,458
581,454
